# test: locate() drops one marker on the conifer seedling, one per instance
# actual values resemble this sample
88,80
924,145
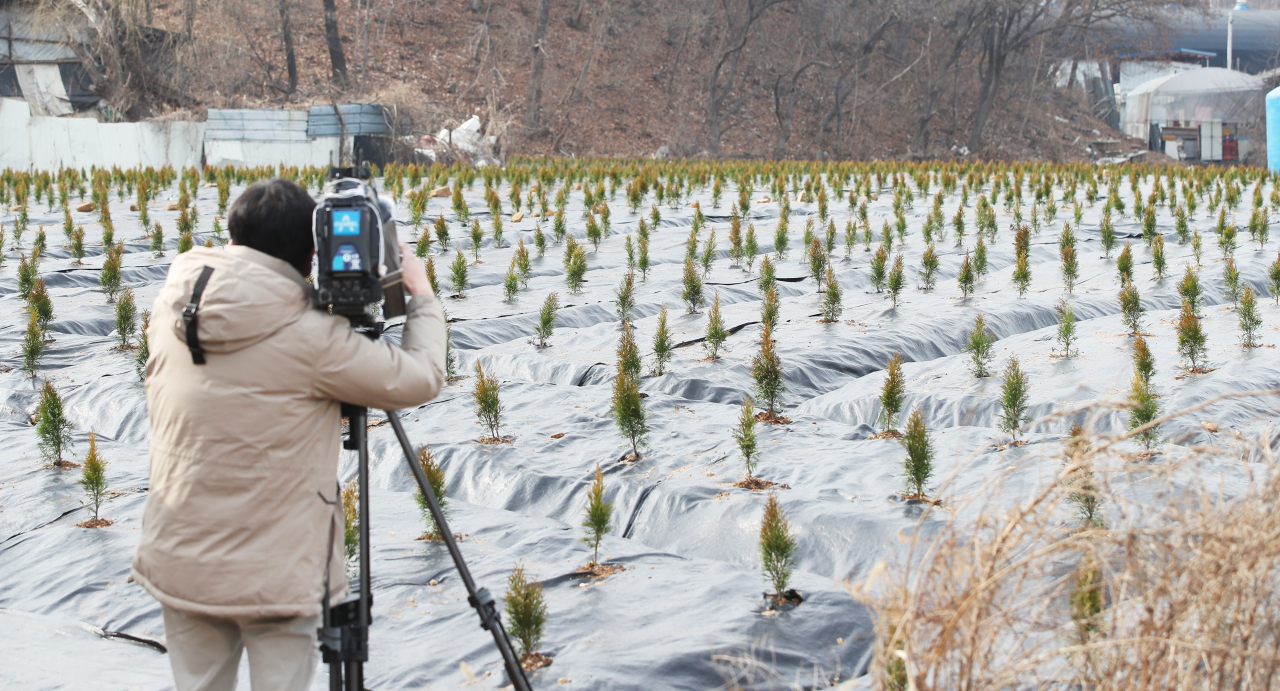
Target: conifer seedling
751,246
526,610
1131,309
716,332
769,308
777,548
1158,263
879,266
1191,337
431,276
628,409
1066,326
709,253
624,298
436,481
980,257
1250,320
642,263
817,262
52,425
1014,398
768,276
77,245
892,393
833,299
442,233
1231,280
745,436
144,348
1197,247
458,275
1022,275
1146,408
766,373
126,318
1189,289
1070,268
40,304
93,478
928,267
511,282
897,280
477,237
979,343
1143,362
1273,279
628,352
966,277
918,465
547,319
32,345
780,241
692,293
157,241
1124,265
597,516
488,405
663,349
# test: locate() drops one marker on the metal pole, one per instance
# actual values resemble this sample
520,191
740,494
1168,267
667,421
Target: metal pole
1231,35
358,426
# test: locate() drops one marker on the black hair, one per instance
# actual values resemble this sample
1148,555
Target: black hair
274,216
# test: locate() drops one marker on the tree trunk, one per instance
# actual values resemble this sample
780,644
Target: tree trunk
600,24
534,115
189,18
990,85
286,35
337,59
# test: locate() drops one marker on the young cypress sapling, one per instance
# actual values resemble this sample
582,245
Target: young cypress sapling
547,319
1273,279
966,276
1070,268
1189,289
642,263
40,304
768,276
77,245
1158,263
442,233
692,293
436,481
52,425
928,267
817,262
769,308
628,411
1250,320
892,394
879,266
32,345
1014,397
833,299
716,332
750,247
777,548
624,298
897,280
477,237
1143,362
1191,338
597,516
1146,408
980,257
126,318
780,241
1124,265
1231,280
708,253
157,241
745,436
526,610
1066,326
978,344
488,405
629,353
431,276
458,275
93,478
766,373
1131,309
1197,247
918,465
511,282
663,349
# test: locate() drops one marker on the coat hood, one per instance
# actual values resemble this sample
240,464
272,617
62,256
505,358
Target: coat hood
250,296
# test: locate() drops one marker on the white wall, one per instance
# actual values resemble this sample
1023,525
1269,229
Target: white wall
321,151
47,143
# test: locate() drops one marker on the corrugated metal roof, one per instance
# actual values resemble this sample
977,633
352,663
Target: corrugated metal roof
33,40
359,119
257,125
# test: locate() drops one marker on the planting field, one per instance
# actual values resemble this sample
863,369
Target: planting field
691,609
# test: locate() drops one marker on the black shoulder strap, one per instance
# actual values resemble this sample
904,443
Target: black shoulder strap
190,316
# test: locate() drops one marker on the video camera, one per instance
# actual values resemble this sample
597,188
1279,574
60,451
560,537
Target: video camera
356,247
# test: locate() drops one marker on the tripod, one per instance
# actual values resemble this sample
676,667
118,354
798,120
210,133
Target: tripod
344,636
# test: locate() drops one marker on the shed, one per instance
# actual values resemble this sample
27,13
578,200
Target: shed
1197,114
39,64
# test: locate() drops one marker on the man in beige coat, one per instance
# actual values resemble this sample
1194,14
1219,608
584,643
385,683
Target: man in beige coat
243,523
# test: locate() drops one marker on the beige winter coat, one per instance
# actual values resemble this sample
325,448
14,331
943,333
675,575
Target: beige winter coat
243,510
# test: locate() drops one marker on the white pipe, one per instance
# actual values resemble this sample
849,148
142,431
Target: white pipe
1231,35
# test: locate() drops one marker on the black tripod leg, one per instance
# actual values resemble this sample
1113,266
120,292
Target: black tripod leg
479,598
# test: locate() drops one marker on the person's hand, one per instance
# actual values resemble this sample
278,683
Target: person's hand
414,272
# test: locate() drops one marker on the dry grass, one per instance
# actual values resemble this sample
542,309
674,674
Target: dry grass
1172,586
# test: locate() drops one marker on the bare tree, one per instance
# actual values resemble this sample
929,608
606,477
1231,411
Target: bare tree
723,102
337,58
533,115
286,40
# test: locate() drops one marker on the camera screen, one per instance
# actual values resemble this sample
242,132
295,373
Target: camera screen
346,222
347,258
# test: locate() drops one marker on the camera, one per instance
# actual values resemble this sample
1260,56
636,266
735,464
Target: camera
357,250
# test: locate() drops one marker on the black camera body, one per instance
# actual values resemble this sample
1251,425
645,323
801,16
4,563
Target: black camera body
357,251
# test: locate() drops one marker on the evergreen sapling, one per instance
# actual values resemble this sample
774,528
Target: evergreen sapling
1249,319
1191,338
597,516
93,479
1014,397
663,348
979,344
777,549
918,465
892,394
436,481
547,319
716,332
52,425
745,436
488,405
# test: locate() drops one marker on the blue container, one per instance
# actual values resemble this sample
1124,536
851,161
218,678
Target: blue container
1273,129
